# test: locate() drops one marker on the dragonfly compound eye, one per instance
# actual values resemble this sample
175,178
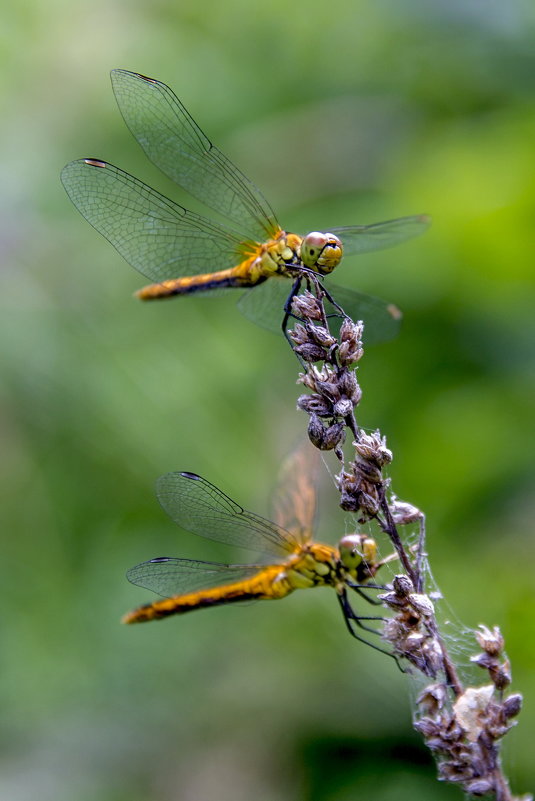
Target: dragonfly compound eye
321,252
355,549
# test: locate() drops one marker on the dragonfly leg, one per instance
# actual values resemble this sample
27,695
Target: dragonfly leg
359,589
350,617
296,286
332,301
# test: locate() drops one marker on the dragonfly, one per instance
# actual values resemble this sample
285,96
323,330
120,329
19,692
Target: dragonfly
183,252
287,557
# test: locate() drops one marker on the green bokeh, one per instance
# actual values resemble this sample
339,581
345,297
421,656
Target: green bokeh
342,112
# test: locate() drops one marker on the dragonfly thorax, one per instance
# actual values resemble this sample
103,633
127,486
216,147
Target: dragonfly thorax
315,565
278,256
321,252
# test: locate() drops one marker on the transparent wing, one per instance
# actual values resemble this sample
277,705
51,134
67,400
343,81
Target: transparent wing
295,495
169,577
365,238
200,507
264,305
175,143
156,236
382,320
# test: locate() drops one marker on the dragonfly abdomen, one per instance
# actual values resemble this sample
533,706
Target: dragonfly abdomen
270,583
187,285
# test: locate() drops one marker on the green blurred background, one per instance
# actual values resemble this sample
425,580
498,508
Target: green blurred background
342,112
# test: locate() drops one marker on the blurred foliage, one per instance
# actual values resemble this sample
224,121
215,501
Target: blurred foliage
342,112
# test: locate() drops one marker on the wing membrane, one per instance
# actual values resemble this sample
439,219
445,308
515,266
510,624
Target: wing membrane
169,577
382,320
200,507
174,142
294,497
366,238
264,305
155,235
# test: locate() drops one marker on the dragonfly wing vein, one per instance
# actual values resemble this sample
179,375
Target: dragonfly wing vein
201,508
174,142
155,235
168,576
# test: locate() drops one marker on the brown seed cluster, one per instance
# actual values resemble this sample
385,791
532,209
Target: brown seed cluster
362,484
462,725
464,735
411,631
334,389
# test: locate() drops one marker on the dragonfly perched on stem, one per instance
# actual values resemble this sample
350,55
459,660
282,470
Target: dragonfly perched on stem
183,252
288,558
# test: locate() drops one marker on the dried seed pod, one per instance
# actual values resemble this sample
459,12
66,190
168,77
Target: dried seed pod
512,705
402,585
343,407
490,641
310,352
316,431
321,336
307,306
334,435
299,334
315,404
350,349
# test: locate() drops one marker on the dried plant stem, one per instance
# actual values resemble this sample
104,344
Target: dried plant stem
462,725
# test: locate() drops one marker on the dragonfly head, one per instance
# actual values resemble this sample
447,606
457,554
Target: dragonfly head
321,252
356,552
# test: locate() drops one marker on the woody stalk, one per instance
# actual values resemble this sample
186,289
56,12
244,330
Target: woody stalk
462,724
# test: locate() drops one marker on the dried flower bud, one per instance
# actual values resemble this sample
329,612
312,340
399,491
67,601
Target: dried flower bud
307,379
454,772
349,386
307,306
422,604
334,435
512,705
299,334
310,352
403,512
393,600
490,641
427,727
343,407
316,431
321,336
370,503
501,676
433,698
348,502
483,660
329,389
480,786
350,331
402,585
373,448
350,349
315,404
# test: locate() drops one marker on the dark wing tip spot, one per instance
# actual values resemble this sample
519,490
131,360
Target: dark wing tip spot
95,163
159,559
145,77
193,476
